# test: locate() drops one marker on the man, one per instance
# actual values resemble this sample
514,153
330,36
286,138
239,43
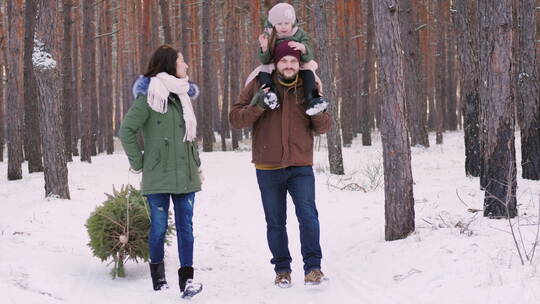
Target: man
282,151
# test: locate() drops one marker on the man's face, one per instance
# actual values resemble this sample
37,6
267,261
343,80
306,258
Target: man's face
288,67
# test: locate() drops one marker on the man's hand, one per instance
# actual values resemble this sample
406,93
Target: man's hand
265,100
297,46
263,42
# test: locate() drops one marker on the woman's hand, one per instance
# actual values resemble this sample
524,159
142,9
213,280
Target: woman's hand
297,46
263,42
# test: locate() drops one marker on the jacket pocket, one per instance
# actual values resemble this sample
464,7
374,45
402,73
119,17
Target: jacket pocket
151,159
195,153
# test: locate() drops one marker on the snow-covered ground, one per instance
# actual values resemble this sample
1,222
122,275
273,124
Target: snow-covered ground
454,256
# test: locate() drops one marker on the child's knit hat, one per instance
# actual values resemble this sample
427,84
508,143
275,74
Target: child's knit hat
282,12
283,49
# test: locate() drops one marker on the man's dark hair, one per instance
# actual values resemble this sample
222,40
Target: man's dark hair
163,60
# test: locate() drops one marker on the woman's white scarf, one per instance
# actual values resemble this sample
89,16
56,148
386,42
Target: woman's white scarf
160,87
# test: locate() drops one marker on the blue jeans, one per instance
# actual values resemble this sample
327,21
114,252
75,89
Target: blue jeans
183,219
300,183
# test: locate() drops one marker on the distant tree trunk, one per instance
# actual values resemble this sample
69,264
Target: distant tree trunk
67,66
326,60
166,21
451,117
344,71
398,182
75,82
32,133
495,93
2,102
440,68
45,59
528,91
414,94
14,89
186,31
105,83
146,41
431,56
369,60
216,60
3,60
88,94
470,82
228,23
235,81
207,71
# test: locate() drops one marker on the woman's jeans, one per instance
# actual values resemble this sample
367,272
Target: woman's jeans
300,183
183,216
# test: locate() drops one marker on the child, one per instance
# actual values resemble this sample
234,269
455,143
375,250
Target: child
282,25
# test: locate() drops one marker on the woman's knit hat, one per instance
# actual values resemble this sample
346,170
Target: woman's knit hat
282,12
283,49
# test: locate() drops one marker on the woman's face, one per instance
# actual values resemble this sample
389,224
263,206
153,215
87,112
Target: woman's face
181,66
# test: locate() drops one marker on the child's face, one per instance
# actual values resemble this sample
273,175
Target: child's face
283,27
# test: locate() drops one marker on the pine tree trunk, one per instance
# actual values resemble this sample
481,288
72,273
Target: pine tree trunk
186,30
528,91
345,71
440,66
414,94
398,182
165,20
105,83
75,82
67,65
88,94
470,81
235,80
431,56
3,60
499,151
369,62
146,41
45,59
14,89
32,133
327,62
228,23
208,70
451,119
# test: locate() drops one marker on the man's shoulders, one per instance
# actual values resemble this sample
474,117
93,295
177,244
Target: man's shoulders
252,85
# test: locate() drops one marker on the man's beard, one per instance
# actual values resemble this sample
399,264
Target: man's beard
285,77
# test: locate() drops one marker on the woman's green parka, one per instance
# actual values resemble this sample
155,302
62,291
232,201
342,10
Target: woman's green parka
169,165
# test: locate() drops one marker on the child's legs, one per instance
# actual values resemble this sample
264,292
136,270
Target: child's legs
312,66
265,75
308,82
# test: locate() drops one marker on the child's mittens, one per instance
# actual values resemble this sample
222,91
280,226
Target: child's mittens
263,42
265,99
193,91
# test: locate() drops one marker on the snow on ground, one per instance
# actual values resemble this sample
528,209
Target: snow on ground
453,257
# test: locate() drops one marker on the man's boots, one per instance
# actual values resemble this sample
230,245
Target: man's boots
187,287
157,271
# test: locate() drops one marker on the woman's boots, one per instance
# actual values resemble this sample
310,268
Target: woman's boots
157,271
187,287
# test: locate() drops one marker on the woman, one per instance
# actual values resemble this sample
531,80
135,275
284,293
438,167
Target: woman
170,163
